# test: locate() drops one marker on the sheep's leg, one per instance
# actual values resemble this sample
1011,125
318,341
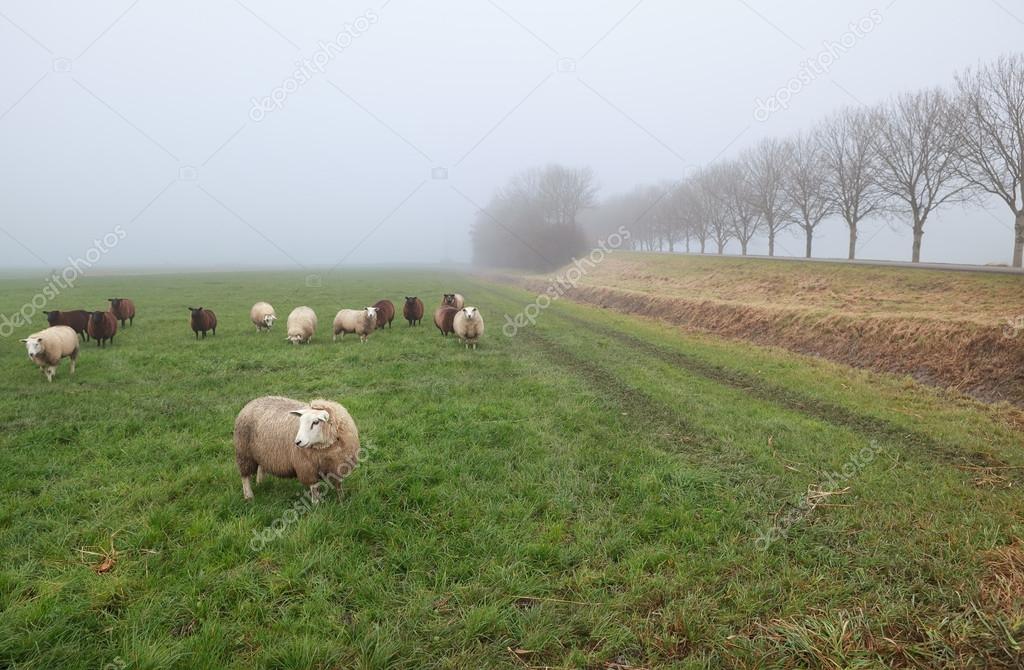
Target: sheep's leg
246,488
314,493
49,372
74,360
260,475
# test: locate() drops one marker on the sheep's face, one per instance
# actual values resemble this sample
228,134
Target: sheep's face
115,302
269,320
34,345
470,312
371,312
52,318
449,299
410,300
311,427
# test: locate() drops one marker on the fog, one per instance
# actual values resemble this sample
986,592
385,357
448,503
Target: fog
145,119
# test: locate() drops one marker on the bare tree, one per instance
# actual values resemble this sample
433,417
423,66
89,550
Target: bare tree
848,142
920,158
711,182
692,212
737,194
806,182
990,108
765,167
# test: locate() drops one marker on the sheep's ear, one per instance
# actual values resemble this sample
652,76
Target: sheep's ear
296,412
25,341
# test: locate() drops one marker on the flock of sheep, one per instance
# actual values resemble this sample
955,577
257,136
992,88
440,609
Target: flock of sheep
60,340
315,442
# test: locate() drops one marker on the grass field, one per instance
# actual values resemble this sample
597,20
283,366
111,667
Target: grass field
598,491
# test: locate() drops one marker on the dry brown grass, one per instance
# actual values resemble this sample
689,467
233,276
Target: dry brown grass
943,328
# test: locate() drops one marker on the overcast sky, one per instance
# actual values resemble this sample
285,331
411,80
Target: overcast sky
141,115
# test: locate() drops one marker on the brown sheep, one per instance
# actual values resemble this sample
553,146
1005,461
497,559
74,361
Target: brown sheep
453,300
76,319
413,310
385,313
288,438
102,327
123,309
47,347
202,320
444,318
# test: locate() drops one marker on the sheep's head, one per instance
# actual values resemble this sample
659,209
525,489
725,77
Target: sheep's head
449,299
269,320
196,311
97,317
312,423
52,318
410,300
470,312
371,312
34,345
115,302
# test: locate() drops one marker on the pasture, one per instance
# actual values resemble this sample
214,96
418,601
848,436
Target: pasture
598,491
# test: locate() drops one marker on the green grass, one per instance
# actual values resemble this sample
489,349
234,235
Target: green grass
591,491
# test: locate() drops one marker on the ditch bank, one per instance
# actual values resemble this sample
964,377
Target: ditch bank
983,362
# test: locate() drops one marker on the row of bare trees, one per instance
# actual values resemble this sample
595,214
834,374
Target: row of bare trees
902,160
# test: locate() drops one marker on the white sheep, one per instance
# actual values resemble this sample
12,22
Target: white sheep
47,347
311,442
469,326
362,322
263,316
301,325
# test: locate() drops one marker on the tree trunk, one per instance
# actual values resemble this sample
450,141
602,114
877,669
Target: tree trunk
671,247
771,243
743,244
853,240
721,248
1018,240
918,234
810,235
703,243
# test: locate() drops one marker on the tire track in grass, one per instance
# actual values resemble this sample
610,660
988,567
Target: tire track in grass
866,426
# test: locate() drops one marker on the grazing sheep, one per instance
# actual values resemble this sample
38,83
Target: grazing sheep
301,325
102,327
263,316
49,345
203,320
123,309
469,326
362,322
385,313
288,438
413,310
453,300
443,319
76,319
